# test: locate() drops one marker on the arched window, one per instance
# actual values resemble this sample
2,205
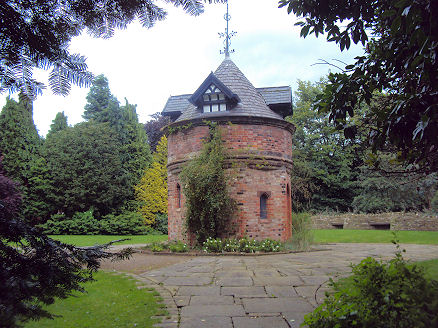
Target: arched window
264,206
178,195
214,100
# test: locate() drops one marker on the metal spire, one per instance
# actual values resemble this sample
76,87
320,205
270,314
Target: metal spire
227,35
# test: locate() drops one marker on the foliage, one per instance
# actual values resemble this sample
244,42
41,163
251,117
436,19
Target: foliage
243,245
154,128
302,234
380,192
37,35
156,247
103,107
434,203
84,223
380,294
401,52
127,223
20,147
178,247
100,239
110,301
161,223
151,192
86,169
58,124
325,162
35,268
208,203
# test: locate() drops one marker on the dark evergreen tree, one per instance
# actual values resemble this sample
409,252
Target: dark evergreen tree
20,146
103,107
100,102
58,124
325,161
87,170
19,139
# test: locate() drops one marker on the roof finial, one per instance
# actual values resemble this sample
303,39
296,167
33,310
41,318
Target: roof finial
227,35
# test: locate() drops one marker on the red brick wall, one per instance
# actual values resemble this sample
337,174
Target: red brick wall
261,159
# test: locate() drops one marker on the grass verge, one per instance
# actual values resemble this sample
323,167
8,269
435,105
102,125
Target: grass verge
112,301
90,240
374,236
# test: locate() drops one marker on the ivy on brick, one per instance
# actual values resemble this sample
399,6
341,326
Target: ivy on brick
209,206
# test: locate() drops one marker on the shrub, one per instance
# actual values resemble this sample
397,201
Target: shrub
82,223
231,245
389,294
302,235
178,247
269,245
161,223
127,223
247,245
434,203
156,247
209,205
244,245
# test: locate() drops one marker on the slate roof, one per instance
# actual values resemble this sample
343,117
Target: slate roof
253,102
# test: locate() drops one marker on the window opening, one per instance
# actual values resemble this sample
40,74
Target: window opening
178,195
264,206
214,100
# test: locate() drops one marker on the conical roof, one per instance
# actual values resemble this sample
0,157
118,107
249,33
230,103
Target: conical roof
251,103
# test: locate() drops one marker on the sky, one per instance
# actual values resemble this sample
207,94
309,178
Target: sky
146,66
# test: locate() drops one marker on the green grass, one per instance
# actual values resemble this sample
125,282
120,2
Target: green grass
431,268
110,301
89,240
374,236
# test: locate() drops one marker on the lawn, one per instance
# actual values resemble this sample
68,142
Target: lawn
111,301
431,268
374,236
89,240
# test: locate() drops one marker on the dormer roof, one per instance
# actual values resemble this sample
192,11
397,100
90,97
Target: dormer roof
274,103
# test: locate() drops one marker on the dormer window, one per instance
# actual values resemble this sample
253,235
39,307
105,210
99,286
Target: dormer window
214,100
213,96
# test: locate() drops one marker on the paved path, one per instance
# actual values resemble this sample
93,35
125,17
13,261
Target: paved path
272,291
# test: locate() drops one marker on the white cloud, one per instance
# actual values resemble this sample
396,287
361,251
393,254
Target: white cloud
148,65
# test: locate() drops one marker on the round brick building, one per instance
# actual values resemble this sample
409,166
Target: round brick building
259,144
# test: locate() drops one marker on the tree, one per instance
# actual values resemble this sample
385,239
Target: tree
400,59
100,101
103,107
325,162
20,146
58,124
154,130
35,269
36,34
86,169
19,139
151,192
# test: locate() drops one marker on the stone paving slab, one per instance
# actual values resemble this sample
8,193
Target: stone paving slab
251,291
260,291
199,291
272,305
212,310
248,322
206,322
208,300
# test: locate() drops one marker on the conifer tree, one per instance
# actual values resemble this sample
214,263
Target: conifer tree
20,147
152,189
58,124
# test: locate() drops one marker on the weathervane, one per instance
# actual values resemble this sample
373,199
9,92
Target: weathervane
227,35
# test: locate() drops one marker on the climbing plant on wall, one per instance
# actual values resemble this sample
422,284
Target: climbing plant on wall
205,184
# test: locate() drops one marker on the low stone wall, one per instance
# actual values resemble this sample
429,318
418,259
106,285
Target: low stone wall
383,221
